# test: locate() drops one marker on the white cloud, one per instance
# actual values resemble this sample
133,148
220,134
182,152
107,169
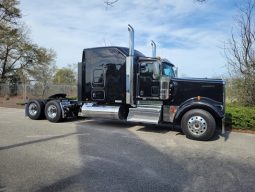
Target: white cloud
179,27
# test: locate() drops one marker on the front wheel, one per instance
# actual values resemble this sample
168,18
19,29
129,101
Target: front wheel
198,124
53,111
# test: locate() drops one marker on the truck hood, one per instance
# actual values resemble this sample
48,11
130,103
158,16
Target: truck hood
202,80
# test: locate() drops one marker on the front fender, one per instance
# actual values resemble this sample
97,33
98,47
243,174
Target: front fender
214,107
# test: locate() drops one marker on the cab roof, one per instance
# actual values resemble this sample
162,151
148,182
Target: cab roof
123,50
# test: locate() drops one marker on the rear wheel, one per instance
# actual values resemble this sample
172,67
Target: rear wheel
198,124
34,109
53,111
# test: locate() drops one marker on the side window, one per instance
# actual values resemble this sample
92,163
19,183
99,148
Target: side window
98,77
168,70
146,69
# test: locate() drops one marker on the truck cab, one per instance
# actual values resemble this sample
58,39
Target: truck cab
153,78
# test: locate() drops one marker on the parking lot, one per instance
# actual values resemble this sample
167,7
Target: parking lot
95,155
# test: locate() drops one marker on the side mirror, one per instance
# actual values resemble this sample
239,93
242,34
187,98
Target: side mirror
143,66
176,72
156,70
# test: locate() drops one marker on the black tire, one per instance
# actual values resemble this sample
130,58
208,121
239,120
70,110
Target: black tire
35,109
198,124
53,111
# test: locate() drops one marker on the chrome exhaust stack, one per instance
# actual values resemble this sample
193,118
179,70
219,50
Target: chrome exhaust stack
154,47
131,40
130,68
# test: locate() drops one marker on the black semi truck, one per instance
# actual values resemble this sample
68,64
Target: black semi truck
123,84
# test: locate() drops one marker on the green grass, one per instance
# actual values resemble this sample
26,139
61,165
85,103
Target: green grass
240,117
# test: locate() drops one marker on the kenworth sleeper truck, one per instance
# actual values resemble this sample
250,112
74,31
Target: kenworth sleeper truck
123,84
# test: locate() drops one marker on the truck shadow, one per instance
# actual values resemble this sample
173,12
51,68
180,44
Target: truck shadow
125,125
2,188
174,128
161,128
106,123
120,161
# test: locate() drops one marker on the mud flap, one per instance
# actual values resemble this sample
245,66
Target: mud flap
26,112
223,126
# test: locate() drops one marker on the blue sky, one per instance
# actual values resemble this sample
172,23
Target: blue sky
189,34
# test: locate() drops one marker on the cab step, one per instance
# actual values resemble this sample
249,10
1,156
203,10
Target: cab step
144,114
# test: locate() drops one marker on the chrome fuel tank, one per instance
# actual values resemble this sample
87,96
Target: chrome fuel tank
100,111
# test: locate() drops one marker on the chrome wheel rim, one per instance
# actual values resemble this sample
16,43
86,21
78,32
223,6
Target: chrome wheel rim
32,109
197,125
52,111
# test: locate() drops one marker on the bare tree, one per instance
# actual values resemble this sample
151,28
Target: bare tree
240,53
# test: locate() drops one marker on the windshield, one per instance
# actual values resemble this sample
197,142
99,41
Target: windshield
167,69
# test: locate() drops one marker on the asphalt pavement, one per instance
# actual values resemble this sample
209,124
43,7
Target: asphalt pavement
96,155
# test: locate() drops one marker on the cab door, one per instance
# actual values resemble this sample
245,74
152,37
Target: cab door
148,86
98,84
